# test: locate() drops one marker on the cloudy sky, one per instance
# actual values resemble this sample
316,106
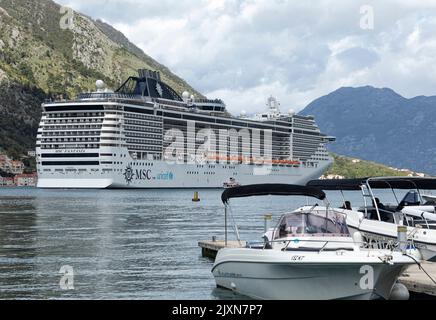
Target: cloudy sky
245,50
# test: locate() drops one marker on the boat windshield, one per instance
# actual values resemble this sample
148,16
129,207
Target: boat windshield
312,225
411,199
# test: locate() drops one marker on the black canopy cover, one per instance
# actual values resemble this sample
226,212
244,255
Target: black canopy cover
376,183
272,189
337,184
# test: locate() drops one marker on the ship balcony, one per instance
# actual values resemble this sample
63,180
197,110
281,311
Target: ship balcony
329,139
112,122
111,135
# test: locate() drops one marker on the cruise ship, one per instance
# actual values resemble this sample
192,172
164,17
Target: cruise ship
146,135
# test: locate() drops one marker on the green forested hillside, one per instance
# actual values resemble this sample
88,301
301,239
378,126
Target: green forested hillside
39,59
354,168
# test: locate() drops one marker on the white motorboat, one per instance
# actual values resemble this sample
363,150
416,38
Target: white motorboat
232,183
309,255
377,221
429,198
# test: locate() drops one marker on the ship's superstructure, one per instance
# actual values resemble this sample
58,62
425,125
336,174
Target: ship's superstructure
145,135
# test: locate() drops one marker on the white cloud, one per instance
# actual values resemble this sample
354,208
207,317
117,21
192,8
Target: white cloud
245,50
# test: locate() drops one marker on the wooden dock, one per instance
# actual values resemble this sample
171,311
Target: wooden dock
417,281
414,279
210,248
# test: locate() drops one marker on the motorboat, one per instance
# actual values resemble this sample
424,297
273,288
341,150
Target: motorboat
309,255
232,183
376,220
430,199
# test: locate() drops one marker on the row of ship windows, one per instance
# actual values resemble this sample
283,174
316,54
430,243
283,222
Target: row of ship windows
142,135
302,126
306,124
202,166
307,141
144,123
142,129
74,115
75,120
71,127
142,164
172,119
75,133
310,123
297,142
140,116
183,127
142,141
112,155
143,148
69,140
81,170
71,146
109,162
197,173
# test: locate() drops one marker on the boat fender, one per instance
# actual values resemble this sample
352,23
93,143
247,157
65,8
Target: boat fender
399,292
233,286
358,238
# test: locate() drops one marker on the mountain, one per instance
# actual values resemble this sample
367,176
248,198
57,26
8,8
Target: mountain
38,60
380,125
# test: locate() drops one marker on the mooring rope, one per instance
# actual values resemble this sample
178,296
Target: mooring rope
420,267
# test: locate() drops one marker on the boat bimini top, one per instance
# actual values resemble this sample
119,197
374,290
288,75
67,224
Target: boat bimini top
265,190
375,183
272,189
412,204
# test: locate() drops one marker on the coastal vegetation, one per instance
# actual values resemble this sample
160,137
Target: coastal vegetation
346,167
39,60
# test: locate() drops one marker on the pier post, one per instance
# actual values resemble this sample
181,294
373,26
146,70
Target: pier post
402,238
225,225
267,218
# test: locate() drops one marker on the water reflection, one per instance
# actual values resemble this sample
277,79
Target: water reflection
18,248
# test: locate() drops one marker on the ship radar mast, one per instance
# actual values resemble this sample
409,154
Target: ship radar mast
273,107
273,112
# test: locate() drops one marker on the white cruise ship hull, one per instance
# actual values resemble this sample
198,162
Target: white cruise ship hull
159,174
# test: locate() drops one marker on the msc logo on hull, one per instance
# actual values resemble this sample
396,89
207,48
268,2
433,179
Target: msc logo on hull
139,174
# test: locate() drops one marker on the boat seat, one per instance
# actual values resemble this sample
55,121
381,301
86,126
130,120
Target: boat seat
385,215
372,214
257,245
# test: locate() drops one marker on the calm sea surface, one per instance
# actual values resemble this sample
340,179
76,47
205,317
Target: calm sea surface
121,244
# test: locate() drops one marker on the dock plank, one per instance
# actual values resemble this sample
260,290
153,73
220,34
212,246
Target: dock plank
210,248
417,281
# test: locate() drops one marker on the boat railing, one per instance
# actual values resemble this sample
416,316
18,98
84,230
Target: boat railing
109,96
372,244
367,192
212,101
